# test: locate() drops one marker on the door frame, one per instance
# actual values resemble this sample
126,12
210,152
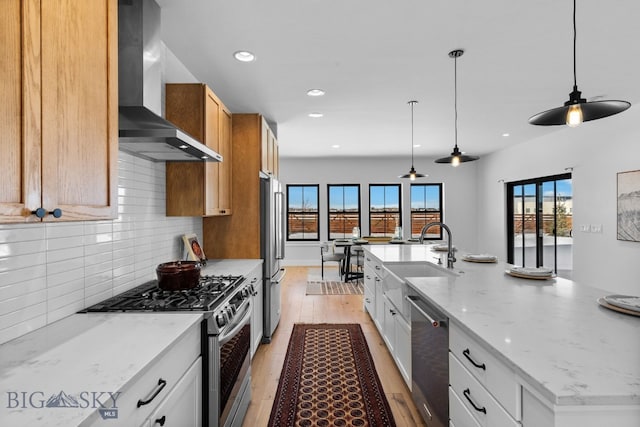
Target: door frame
538,182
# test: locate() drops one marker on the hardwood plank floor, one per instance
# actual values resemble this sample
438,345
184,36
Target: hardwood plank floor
297,307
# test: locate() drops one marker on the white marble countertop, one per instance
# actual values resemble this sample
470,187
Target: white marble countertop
230,266
551,332
83,352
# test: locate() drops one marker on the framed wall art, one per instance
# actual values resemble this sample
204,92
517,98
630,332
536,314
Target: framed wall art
629,206
193,248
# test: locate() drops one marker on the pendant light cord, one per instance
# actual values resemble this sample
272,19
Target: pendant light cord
455,98
575,80
412,102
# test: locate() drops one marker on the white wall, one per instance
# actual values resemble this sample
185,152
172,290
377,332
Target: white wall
51,270
596,151
459,194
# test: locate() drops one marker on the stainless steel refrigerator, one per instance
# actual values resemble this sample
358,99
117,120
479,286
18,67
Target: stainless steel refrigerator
272,241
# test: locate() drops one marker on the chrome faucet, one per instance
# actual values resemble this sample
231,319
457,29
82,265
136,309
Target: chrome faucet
450,256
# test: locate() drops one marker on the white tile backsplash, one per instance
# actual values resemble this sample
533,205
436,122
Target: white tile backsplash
51,270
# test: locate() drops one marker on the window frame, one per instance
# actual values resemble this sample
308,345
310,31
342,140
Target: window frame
385,211
359,224
317,212
440,204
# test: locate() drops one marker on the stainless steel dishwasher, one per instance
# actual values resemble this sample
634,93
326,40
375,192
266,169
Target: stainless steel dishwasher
429,361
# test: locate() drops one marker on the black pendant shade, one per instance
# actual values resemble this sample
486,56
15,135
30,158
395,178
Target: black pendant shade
456,156
456,153
577,109
412,172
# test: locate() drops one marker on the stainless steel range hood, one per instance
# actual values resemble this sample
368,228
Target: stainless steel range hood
143,132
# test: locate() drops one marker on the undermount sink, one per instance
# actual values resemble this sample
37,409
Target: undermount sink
394,285
417,269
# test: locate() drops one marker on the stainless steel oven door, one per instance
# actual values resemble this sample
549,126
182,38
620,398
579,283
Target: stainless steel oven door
230,365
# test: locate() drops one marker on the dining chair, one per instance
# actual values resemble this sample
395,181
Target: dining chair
354,268
328,253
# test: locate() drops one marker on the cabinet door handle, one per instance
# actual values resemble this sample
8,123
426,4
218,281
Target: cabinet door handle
161,420
367,300
467,394
41,212
466,353
161,384
393,312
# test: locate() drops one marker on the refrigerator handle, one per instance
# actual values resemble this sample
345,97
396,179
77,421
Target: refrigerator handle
280,225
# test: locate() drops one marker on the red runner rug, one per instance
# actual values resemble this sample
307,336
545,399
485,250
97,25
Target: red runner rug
329,379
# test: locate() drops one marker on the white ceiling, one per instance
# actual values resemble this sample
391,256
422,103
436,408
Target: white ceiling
372,56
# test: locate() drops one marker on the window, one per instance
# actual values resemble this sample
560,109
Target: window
384,209
302,212
344,210
426,207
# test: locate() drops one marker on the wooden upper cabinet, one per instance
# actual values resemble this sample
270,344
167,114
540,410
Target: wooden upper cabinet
59,115
269,150
199,188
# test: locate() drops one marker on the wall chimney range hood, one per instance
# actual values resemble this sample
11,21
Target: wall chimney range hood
142,130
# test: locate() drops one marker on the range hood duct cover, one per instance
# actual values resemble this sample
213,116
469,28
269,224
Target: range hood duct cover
142,131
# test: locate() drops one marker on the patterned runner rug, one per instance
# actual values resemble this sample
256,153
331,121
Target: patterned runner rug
332,287
329,379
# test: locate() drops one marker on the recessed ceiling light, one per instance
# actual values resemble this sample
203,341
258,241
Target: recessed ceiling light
505,134
315,92
316,115
335,146
244,56
416,145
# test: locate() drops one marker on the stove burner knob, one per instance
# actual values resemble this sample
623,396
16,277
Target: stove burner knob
221,320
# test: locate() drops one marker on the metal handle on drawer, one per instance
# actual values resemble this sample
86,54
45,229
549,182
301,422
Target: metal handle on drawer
434,323
161,420
467,353
467,394
161,384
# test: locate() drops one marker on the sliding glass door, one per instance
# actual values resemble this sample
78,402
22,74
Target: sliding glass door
540,227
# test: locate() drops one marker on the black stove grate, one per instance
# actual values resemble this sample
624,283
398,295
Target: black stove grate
148,297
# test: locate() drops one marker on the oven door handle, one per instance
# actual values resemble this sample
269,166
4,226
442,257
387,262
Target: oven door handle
227,335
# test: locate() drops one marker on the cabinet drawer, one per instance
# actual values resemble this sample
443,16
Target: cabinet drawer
476,399
499,380
369,301
459,415
373,263
169,367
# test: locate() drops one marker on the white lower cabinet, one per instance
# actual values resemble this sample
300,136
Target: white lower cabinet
482,385
173,381
477,400
459,415
257,302
393,327
183,404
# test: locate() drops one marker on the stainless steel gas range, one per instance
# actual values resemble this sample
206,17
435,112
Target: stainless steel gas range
226,337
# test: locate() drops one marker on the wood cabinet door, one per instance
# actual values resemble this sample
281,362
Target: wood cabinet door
79,107
264,147
211,140
19,111
225,168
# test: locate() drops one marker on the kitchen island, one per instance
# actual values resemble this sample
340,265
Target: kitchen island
574,362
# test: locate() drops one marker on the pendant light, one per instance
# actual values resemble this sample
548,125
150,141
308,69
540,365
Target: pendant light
577,109
456,156
412,175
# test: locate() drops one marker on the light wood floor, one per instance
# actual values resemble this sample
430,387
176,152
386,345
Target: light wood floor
300,308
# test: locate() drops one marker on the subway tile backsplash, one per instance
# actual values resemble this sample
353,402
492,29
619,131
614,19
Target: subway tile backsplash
51,270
